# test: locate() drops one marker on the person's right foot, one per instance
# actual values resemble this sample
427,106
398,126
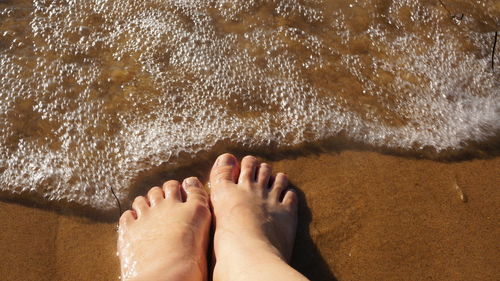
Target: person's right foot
255,221
165,237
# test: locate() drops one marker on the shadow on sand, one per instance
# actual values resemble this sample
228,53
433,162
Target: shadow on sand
306,256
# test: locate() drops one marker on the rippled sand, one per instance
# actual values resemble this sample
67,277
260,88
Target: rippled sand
96,92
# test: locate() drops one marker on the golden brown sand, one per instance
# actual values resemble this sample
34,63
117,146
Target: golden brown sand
367,216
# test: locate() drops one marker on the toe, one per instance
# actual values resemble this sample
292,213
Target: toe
155,195
127,217
172,191
194,191
224,169
279,185
248,169
140,205
290,199
264,174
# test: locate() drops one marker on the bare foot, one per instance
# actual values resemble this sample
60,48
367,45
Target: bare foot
255,222
165,237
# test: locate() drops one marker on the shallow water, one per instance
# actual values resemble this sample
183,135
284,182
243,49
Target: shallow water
94,92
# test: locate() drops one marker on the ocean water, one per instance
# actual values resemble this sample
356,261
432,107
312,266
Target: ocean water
94,92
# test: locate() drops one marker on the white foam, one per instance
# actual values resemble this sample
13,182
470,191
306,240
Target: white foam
114,88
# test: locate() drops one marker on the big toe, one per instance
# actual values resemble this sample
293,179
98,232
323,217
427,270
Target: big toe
225,169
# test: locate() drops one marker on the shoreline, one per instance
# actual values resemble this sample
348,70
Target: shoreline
200,165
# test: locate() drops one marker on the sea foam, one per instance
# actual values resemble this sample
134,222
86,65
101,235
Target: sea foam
95,92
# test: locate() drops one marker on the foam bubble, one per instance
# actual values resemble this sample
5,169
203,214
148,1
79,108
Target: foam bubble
94,92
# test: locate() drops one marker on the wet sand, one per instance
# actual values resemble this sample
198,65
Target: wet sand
367,216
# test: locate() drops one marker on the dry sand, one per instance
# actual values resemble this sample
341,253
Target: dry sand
367,216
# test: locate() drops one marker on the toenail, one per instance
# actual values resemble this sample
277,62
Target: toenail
191,182
225,160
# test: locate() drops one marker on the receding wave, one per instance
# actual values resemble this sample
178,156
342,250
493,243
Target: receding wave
95,92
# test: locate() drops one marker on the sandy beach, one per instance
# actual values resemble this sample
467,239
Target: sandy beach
366,216
354,100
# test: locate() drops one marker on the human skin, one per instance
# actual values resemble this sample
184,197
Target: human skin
255,221
165,235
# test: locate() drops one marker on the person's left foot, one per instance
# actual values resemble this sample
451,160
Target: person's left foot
255,220
166,237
